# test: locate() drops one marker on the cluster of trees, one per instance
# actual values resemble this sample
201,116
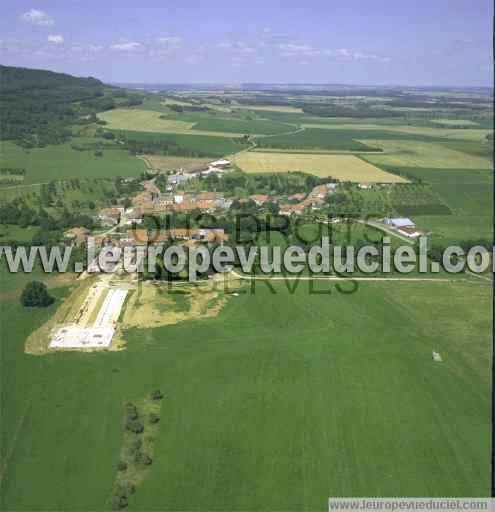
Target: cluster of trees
11,175
12,171
161,146
134,455
188,108
35,295
21,214
241,183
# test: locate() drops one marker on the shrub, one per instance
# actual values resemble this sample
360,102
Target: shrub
134,426
131,411
119,502
35,294
143,458
121,466
125,488
154,418
135,445
156,395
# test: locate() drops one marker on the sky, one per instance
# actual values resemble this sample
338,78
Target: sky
367,42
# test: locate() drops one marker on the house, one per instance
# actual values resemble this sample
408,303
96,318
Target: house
185,205
322,191
110,216
163,202
132,216
78,236
289,209
260,199
210,235
297,197
210,200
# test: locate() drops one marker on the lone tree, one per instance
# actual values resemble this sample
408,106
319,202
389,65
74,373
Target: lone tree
156,395
35,295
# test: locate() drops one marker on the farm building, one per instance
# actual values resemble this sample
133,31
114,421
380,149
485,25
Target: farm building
404,226
400,222
221,164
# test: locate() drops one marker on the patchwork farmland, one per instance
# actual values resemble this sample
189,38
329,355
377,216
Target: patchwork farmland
274,395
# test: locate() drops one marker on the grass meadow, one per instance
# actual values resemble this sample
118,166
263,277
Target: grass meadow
61,161
203,145
411,153
343,400
244,126
469,195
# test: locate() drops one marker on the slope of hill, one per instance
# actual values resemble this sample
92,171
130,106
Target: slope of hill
36,106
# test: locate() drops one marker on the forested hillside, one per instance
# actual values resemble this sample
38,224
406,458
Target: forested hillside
37,106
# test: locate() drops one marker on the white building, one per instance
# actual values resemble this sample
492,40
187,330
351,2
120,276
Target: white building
400,222
221,164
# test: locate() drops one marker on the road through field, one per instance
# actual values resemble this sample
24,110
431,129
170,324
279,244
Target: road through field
337,278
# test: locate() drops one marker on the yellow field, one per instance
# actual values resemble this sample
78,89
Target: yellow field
341,167
405,153
149,121
142,121
169,163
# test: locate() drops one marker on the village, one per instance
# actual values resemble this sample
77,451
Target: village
119,225
96,320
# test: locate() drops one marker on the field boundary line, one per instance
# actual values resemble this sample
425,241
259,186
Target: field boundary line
337,278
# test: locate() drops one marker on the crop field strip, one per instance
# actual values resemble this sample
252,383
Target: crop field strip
411,153
151,121
343,167
60,161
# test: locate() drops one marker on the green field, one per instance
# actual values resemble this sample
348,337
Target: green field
454,122
344,400
313,138
194,145
61,161
17,233
411,153
469,195
254,126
